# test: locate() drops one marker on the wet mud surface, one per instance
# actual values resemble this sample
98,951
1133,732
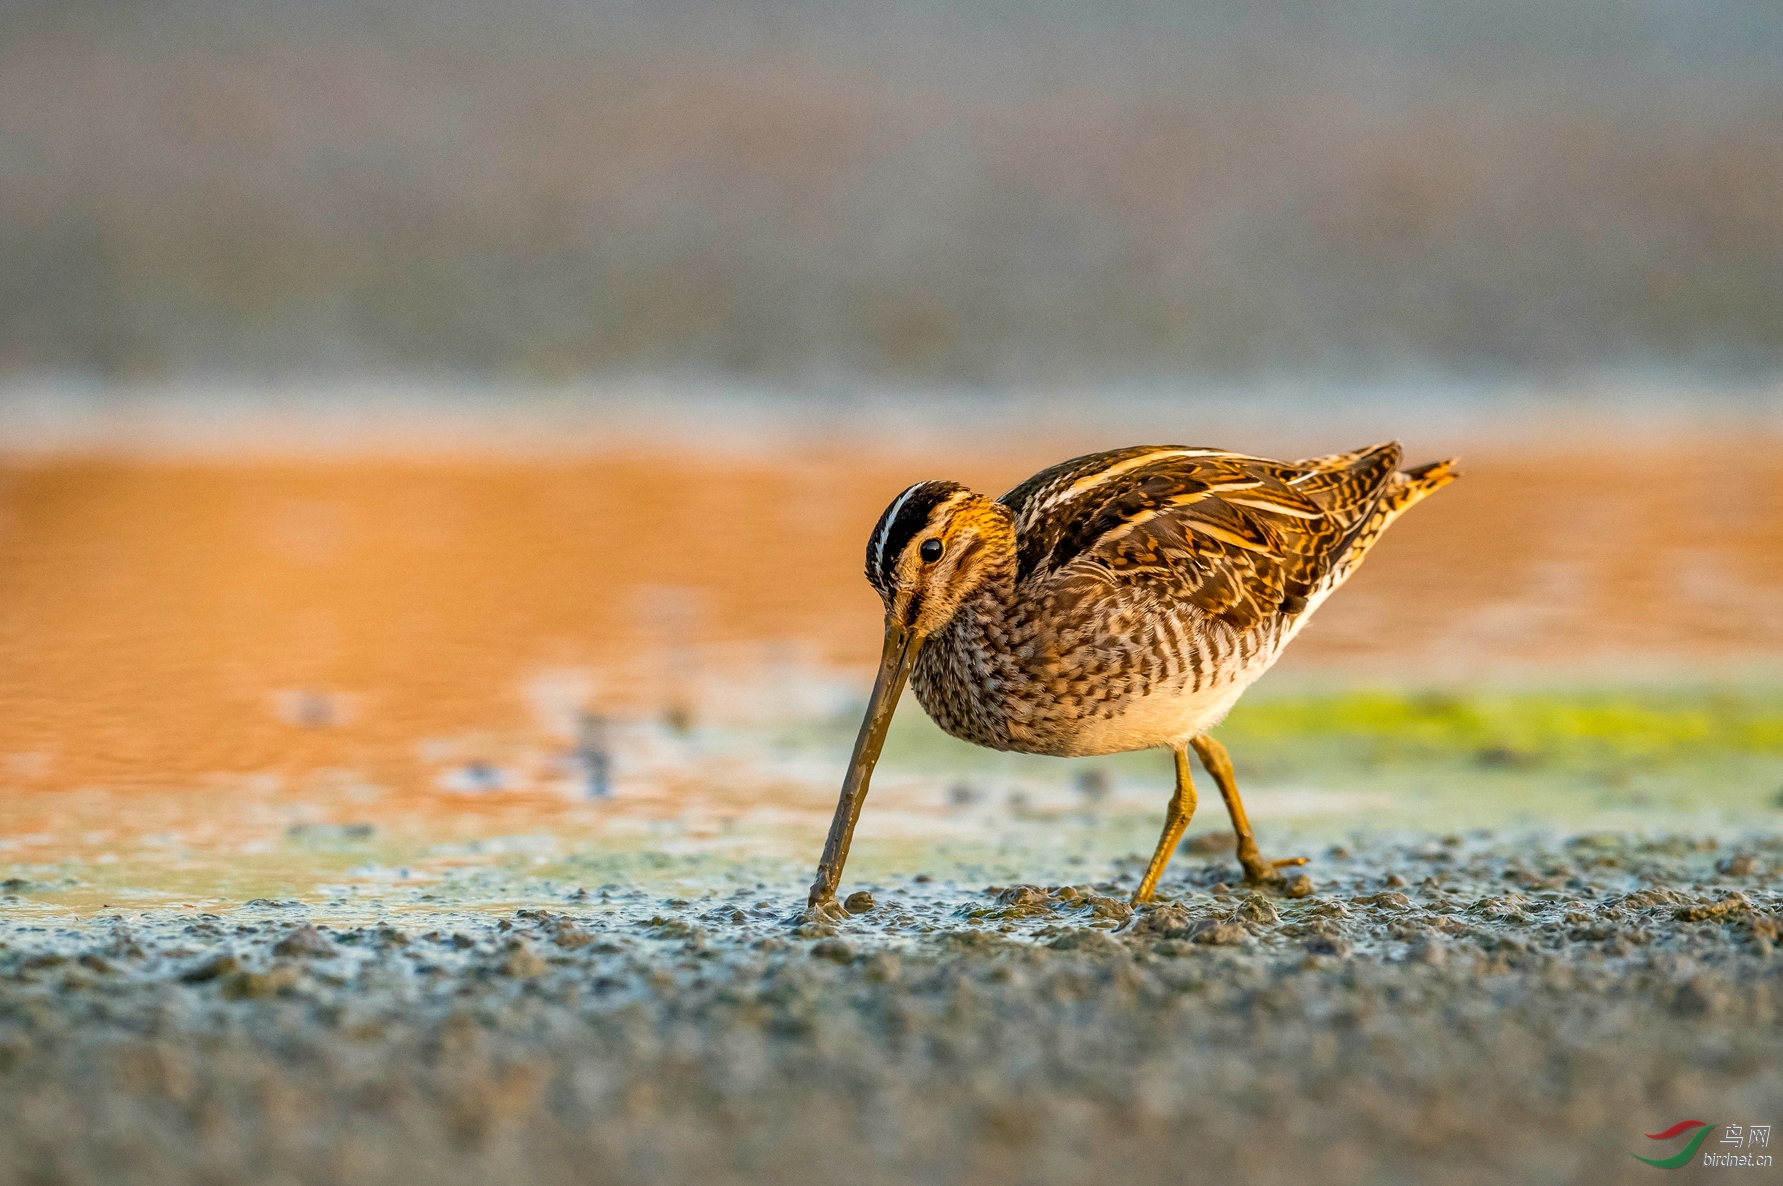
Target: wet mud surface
1474,1008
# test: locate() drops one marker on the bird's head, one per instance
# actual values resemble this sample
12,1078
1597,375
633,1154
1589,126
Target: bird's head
935,544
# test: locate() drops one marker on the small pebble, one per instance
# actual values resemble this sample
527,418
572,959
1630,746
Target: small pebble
572,936
221,966
834,950
251,985
1225,934
1428,951
859,902
1209,843
305,940
522,963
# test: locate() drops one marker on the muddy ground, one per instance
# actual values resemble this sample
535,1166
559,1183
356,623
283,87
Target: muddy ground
1478,1008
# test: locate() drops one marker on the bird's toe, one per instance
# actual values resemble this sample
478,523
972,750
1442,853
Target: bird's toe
1267,873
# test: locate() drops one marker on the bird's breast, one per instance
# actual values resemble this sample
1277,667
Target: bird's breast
1121,684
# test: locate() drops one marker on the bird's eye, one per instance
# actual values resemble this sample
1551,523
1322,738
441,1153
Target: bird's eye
931,551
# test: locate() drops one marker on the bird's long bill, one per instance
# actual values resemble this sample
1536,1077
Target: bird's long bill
895,662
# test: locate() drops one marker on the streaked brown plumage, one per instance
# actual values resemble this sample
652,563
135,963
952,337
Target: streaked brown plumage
1118,601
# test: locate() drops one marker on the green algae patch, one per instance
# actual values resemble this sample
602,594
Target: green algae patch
1655,757
1578,729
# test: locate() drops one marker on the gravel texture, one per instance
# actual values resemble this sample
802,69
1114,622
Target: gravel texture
1466,1009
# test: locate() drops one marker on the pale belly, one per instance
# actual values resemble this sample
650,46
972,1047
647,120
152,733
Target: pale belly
1161,719
1164,715
1170,716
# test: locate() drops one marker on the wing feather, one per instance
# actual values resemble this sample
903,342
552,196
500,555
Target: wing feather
1240,538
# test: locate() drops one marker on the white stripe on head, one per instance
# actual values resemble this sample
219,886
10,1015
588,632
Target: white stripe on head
891,517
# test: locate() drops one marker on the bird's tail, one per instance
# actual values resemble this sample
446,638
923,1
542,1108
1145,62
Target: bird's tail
1409,487
1402,490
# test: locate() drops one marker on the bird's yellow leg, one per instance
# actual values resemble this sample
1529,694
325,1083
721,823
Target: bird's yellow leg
1218,763
1176,818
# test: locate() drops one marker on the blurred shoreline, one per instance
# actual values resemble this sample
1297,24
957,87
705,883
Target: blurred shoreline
966,192
413,416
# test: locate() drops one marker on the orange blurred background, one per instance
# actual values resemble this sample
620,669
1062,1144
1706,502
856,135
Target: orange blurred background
164,621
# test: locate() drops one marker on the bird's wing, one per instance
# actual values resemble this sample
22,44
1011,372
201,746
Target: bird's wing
1240,538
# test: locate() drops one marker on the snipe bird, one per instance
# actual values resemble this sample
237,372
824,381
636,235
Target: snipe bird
1119,601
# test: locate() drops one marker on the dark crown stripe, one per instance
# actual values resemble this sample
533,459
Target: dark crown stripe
907,515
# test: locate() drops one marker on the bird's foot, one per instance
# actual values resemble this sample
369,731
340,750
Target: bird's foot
1261,872
820,915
